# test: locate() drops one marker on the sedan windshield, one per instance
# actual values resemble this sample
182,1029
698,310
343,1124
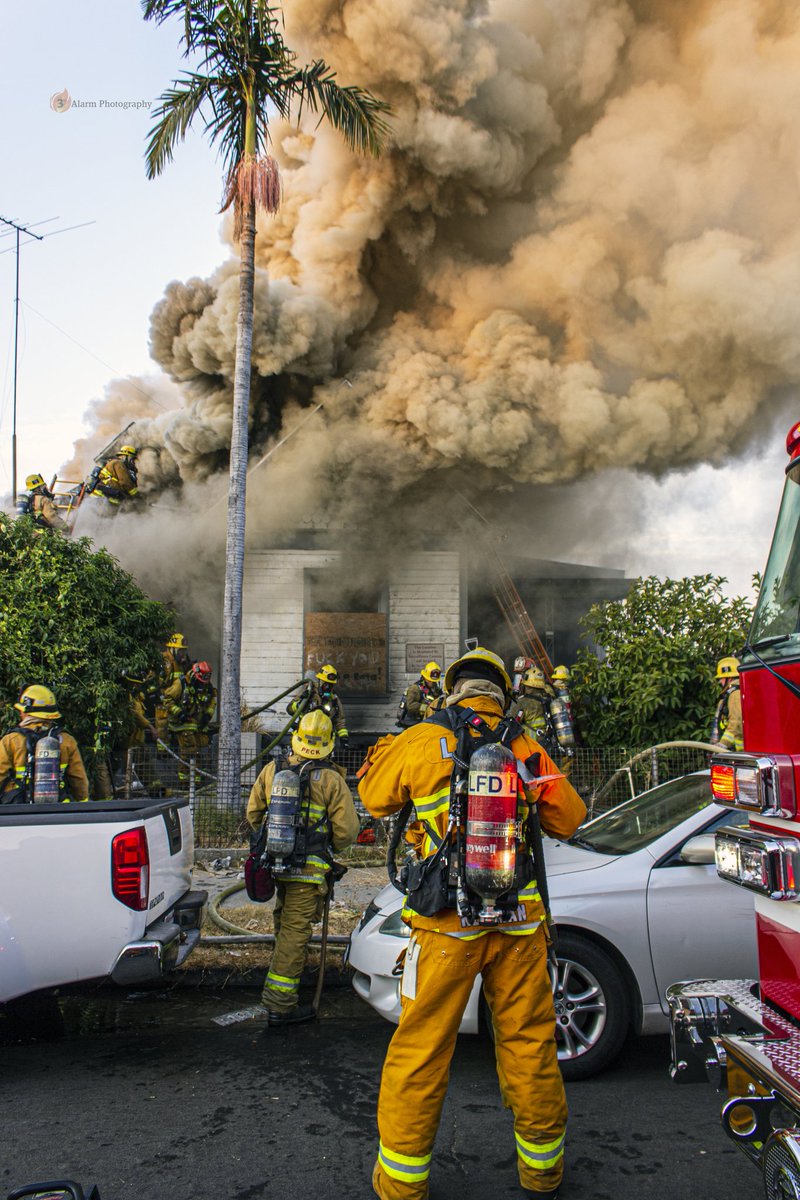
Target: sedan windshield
640,821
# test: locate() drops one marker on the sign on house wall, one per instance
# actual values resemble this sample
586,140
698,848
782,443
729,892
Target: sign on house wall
419,654
356,644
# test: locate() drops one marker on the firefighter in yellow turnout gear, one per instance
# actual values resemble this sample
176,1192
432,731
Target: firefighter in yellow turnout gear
191,702
118,478
40,504
727,730
445,953
38,716
319,693
327,805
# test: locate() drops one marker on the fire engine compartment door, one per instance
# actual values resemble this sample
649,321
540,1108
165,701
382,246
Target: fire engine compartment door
700,926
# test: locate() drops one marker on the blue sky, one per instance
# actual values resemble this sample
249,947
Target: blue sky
96,285
87,294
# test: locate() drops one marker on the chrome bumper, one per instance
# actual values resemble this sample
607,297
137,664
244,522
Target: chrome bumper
168,943
700,1012
722,1032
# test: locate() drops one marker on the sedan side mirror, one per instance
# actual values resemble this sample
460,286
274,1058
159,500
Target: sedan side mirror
699,851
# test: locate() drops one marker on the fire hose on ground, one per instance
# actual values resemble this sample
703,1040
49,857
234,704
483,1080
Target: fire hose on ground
240,936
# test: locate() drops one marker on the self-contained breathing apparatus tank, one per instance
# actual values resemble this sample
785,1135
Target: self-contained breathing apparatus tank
283,817
47,770
492,832
562,722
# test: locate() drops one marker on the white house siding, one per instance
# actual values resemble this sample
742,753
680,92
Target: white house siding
424,606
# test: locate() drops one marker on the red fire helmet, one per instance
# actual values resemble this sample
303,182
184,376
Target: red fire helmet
201,671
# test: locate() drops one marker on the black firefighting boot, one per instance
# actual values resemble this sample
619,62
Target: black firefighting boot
292,1016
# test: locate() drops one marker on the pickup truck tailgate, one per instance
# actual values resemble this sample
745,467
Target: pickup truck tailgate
59,919
170,841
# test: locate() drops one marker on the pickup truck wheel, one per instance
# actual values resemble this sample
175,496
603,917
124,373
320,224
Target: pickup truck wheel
592,1007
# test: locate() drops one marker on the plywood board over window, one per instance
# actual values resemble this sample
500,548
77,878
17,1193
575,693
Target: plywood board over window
356,644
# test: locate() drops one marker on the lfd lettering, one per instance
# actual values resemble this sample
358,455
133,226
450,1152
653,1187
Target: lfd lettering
486,785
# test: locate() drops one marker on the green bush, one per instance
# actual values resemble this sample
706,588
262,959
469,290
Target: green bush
73,620
653,678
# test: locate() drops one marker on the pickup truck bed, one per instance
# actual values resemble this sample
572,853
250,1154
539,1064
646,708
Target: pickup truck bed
95,889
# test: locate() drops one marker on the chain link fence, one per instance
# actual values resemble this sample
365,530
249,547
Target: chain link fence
604,777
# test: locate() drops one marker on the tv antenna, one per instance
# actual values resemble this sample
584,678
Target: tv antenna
17,229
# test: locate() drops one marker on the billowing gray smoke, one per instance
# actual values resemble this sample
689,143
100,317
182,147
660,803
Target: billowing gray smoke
580,253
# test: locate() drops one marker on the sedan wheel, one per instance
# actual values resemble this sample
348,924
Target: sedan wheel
591,1005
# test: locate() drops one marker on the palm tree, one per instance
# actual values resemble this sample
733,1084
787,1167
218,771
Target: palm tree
246,74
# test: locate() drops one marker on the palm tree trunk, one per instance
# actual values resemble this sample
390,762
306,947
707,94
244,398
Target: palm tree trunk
230,721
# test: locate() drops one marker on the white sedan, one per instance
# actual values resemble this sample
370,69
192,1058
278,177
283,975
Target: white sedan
638,906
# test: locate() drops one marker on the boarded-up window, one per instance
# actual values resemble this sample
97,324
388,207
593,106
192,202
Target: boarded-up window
356,644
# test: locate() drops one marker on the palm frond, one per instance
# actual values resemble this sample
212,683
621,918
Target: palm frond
354,112
177,108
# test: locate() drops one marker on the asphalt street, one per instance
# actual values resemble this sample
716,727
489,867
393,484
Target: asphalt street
150,1097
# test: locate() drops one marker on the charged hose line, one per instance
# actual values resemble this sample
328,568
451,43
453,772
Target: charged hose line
263,753
246,935
254,712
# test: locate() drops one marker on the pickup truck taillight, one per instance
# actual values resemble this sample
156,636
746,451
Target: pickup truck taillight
130,868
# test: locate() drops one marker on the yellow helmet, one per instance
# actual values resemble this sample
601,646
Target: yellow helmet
176,642
490,663
34,481
38,701
313,737
328,674
561,675
432,672
130,451
728,668
533,678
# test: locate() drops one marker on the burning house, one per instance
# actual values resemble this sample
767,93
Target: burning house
304,608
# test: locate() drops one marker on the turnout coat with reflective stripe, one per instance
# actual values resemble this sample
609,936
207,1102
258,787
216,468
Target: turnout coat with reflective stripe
14,764
416,766
328,797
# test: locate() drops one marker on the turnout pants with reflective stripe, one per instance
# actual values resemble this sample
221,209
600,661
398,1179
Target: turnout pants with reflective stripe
415,1074
297,907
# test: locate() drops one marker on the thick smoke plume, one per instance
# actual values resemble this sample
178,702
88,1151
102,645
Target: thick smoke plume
580,252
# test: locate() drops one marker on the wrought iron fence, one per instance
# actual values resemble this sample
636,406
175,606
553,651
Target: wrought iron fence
605,777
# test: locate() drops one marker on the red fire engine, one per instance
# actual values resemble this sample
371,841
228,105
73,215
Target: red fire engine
745,1034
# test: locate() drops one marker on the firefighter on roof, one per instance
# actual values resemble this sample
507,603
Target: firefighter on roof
118,478
319,693
326,820
421,697
726,730
40,505
459,932
19,761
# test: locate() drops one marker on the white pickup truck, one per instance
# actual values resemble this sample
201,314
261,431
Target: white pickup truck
95,889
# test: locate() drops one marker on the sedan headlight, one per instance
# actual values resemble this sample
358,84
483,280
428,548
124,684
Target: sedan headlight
394,926
759,861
